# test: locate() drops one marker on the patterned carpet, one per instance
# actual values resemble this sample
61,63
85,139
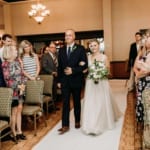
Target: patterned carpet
130,136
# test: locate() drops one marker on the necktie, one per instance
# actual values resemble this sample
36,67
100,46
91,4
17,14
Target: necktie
55,60
68,52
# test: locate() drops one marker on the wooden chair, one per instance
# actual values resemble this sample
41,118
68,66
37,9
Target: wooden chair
5,110
47,92
34,101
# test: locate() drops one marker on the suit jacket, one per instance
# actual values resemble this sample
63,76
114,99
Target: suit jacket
132,54
47,64
77,55
2,82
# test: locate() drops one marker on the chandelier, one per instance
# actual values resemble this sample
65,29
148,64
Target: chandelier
38,12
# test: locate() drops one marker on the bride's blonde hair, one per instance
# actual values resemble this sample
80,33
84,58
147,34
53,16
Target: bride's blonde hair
93,40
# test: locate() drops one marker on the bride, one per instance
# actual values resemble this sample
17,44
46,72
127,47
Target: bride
99,111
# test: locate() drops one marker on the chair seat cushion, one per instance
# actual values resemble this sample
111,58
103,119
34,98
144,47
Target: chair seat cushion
3,124
30,110
46,98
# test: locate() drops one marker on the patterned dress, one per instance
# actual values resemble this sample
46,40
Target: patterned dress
142,83
13,77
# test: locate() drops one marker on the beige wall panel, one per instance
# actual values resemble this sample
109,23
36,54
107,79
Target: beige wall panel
128,16
81,15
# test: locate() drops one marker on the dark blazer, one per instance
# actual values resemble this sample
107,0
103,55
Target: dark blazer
132,54
47,64
77,55
2,82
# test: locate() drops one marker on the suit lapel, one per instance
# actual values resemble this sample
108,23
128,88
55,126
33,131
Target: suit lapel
73,49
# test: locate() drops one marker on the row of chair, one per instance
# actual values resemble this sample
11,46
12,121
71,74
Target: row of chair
37,93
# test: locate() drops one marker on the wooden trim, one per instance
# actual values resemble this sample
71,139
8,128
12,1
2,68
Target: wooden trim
118,70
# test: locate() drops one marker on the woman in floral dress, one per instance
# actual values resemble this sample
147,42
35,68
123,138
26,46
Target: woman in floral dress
13,77
142,70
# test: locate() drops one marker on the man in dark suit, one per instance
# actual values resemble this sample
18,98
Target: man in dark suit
134,48
72,61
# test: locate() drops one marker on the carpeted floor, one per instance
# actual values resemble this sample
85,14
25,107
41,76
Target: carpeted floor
75,139
130,136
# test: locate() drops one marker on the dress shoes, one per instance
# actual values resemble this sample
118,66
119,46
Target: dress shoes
77,125
63,130
21,136
14,139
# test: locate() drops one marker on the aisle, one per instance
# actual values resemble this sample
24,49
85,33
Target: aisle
75,139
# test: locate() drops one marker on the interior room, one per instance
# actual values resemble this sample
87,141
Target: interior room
114,24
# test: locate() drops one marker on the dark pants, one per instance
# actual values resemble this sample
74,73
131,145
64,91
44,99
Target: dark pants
66,93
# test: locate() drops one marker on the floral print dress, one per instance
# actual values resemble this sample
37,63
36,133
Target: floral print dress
13,77
142,83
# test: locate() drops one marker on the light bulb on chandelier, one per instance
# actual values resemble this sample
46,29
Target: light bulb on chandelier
38,12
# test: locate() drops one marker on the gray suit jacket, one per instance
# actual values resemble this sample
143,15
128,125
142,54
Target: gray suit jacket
47,64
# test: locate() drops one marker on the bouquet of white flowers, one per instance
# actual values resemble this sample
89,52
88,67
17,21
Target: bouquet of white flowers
98,71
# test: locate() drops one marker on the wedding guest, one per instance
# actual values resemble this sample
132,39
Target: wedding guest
99,108
134,48
49,65
70,78
6,40
14,79
2,82
30,61
142,73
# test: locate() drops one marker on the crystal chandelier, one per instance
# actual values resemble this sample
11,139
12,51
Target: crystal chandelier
38,12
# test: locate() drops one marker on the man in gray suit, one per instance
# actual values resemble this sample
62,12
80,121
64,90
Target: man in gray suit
49,65
49,61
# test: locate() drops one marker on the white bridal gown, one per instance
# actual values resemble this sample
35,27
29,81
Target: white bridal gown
99,111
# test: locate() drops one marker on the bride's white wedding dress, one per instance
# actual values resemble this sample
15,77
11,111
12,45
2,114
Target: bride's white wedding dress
99,111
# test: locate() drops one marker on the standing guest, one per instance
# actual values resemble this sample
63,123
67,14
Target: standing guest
2,82
49,65
70,78
43,50
30,61
49,61
14,79
134,48
6,40
142,73
99,108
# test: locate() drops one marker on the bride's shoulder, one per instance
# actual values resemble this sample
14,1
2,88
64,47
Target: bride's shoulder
103,56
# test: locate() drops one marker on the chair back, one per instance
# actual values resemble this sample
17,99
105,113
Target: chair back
6,95
48,84
34,91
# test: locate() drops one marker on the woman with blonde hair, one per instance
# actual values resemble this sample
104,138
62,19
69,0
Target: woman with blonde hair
30,61
100,111
14,79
